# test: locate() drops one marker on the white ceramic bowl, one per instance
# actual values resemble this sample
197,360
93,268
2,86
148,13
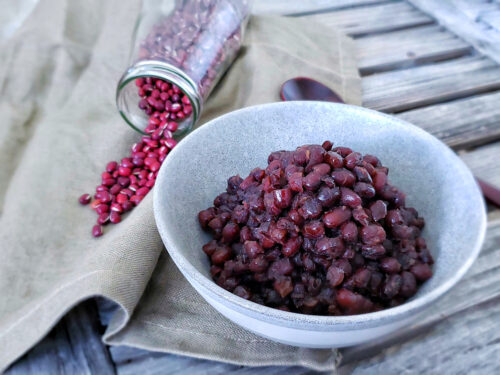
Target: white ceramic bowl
436,181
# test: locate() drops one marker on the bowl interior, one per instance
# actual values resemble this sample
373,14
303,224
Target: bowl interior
435,180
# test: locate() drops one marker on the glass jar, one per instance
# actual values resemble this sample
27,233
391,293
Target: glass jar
187,43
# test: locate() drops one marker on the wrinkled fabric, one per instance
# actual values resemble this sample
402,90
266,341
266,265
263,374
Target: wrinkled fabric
59,127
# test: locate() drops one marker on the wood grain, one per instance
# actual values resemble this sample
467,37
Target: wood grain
411,88
372,19
476,21
461,123
73,346
407,48
465,343
484,162
296,8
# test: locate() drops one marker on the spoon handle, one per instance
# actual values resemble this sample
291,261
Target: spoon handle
490,192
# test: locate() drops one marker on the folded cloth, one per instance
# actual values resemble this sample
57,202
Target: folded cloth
59,127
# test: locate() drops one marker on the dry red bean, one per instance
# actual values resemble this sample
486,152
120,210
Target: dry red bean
127,206
102,208
111,166
85,199
116,207
124,185
97,231
115,217
103,218
124,171
142,191
115,189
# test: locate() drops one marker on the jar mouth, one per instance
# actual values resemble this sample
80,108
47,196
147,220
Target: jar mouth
127,99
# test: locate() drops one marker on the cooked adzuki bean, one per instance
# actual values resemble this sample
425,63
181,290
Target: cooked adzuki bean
124,185
319,231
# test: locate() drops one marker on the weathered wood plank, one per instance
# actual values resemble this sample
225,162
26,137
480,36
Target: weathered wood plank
287,7
485,162
461,123
467,343
372,19
73,346
411,88
479,286
407,48
468,19
105,308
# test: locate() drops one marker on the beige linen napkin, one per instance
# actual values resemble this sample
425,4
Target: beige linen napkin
58,128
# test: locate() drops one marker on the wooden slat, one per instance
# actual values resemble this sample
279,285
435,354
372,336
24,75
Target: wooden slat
73,346
407,48
469,19
467,343
287,7
461,123
465,327
410,88
485,162
372,19
106,308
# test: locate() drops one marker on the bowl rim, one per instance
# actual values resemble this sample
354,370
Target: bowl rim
305,321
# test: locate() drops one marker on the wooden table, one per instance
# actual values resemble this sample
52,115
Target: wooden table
418,70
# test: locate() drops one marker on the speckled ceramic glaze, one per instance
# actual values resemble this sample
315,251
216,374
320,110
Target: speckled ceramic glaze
436,181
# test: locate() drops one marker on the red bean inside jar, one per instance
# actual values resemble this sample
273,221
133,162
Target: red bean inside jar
189,43
319,231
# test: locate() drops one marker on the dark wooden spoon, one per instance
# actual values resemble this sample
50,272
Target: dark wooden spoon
303,88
